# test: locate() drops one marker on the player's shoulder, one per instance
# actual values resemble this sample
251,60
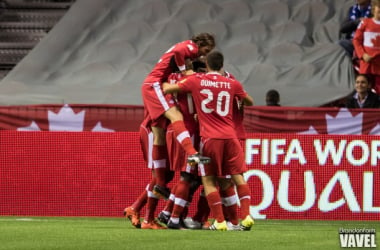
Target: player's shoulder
189,44
229,75
175,75
367,21
197,76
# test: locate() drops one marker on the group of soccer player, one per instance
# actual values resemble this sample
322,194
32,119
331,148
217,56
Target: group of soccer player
193,125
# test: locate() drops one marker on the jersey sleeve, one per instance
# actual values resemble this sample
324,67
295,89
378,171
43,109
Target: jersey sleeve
182,51
240,92
186,84
358,39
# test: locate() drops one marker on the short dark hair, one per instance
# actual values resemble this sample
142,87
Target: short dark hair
215,60
369,78
272,97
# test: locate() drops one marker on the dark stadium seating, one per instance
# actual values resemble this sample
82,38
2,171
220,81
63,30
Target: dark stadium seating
23,23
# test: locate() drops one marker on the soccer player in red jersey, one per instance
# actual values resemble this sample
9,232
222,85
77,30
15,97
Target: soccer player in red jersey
228,194
161,107
147,196
181,193
213,96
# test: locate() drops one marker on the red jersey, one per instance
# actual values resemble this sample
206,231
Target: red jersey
367,40
213,96
238,119
180,52
238,111
185,103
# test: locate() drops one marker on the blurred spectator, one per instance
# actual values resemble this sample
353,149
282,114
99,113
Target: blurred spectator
272,98
367,45
358,11
363,97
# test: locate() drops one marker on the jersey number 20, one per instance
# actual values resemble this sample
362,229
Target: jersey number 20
222,98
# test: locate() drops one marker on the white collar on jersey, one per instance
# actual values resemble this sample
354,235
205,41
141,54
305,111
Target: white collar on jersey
213,73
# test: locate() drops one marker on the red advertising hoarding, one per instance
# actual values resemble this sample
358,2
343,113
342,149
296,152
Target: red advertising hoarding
334,177
314,176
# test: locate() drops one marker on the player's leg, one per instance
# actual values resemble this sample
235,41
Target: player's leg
146,143
149,221
181,200
214,202
209,172
237,168
183,136
229,201
160,164
200,218
165,214
133,212
156,104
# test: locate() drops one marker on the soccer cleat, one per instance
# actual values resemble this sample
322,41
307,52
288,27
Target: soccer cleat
247,223
232,227
222,226
162,192
163,218
173,225
151,225
133,216
198,158
192,224
206,225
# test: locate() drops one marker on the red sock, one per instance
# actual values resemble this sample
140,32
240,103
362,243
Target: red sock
183,137
159,156
181,198
141,201
244,194
215,204
203,210
185,212
230,204
151,205
170,202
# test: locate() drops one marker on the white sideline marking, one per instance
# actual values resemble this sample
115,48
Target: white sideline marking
23,219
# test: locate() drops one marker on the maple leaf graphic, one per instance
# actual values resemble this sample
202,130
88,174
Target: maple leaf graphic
65,120
376,41
310,131
344,123
375,130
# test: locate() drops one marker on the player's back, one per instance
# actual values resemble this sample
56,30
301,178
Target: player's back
214,96
180,51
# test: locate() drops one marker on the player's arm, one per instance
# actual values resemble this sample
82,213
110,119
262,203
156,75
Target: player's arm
358,40
247,100
168,88
179,57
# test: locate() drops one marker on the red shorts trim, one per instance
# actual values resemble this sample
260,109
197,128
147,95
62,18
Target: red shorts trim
155,102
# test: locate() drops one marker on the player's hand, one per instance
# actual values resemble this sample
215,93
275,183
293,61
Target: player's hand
165,85
366,57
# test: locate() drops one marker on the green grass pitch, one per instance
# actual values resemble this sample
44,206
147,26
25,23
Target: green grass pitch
117,233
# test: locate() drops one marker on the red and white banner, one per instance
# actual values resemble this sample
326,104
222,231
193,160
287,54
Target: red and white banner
75,118
340,121
304,163
259,119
